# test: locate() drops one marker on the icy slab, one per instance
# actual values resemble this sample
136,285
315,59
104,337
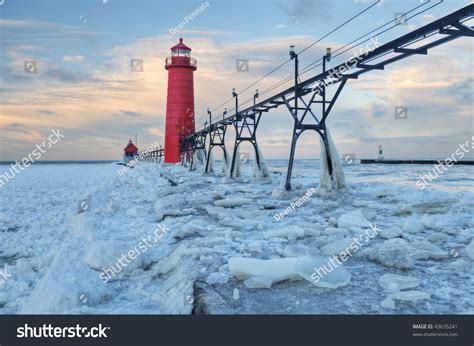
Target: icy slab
394,253
331,277
279,269
232,202
409,296
353,220
390,233
412,226
217,278
470,250
395,282
290,232
438,237
259,282
388,303
335,248
424,249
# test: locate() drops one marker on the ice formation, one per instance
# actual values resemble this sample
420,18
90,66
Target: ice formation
262,171
338,180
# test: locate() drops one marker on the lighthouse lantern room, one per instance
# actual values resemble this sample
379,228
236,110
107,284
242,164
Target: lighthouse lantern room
180,100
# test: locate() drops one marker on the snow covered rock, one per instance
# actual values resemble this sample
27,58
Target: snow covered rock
393,232
409,296
394,282
394,253
353,220
470,250
232,202
320,273
335,248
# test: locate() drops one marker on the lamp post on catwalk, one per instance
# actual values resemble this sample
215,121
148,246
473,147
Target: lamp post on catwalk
180,100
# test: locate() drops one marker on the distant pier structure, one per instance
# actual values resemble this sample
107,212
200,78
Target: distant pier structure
130,151
380,157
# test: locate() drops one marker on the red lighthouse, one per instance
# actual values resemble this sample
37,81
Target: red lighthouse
180,102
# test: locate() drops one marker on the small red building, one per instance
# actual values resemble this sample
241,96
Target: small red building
130,151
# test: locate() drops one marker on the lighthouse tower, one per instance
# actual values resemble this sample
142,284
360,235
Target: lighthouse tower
180,102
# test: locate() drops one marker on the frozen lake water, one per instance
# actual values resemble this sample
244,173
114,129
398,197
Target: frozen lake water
54,250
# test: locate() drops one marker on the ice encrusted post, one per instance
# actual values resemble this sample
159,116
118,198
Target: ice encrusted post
338,180
209,163
237,165
198,159
225,162
259,170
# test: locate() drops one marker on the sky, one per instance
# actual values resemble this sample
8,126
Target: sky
83,84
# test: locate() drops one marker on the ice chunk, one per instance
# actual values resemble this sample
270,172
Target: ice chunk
259,282
169,263
393,232
290,232
320,273
217,278
410,296
394,253
236,294
412,226
438,237
353,220
470,250
424,249
232,202
279,269
388,303
335,248
401,282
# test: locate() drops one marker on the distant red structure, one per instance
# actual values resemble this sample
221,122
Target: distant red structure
180,101
130,151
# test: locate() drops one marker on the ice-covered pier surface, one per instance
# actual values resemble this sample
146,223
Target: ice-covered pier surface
223,250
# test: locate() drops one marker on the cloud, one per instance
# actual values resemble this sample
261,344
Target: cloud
73,58
129,113
46,112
